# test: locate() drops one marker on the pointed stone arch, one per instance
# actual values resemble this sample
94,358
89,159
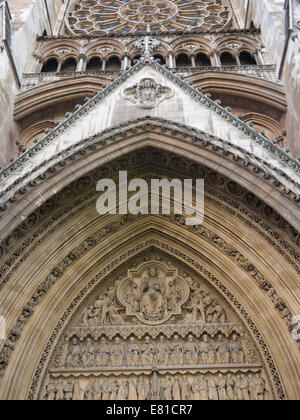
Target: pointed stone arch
225,247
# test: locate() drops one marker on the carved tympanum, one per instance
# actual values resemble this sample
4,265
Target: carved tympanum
155,333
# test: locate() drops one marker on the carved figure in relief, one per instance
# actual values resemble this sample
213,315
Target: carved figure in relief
117,353
88,354
177,355
203,387
110,314
167,389
223,355
222,388
90,392
132,391
60,392
259,386
207,351
143,389
114,388
155,389
191,351
123,390
185,390
68,390
50,391
153,302
244,384
196,308
133,296
133,353
103,354
98,391
162,352
176,390
238,389
106,390
148,352
212,390
230,388
88,317
196,390
78,394
215,313
236,350
73,354
173,296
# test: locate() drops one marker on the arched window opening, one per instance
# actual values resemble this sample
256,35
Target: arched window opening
69,65
113,63
50,66
227,59
183,60
247,59
95,64
161,58
202,60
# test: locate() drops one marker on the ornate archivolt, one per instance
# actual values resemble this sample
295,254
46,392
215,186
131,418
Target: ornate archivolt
155,333
96,17
53,281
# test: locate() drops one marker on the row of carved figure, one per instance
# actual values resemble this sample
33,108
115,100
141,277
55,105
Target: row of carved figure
219,387
153,299
163,353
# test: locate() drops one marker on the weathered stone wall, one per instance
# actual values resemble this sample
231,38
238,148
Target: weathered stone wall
269,15
29,18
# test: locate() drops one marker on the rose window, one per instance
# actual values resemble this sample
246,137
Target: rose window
96,17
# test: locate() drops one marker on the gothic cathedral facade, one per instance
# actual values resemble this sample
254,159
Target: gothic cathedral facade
146,306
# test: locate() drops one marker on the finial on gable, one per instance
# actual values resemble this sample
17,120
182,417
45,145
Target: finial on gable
147,45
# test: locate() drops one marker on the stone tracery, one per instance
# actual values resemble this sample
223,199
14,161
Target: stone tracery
95,17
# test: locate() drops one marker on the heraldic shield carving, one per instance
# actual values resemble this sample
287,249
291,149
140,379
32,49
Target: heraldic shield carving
147,94
153,331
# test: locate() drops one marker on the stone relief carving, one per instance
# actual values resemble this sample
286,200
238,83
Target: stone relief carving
185,344
147,94
213,387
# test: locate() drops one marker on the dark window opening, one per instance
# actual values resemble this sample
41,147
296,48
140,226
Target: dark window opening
247,59
69,65
113,63
183,60
95,64
228,60
50,66
202,60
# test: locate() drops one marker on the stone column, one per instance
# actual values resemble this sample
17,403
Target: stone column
171,60
237,57
193,60
214,58
81,63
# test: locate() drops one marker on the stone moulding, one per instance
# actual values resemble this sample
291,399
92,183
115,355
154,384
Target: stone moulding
111,268
269,173
243,262
197,95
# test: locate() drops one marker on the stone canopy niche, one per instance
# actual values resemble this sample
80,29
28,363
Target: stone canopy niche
156,332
